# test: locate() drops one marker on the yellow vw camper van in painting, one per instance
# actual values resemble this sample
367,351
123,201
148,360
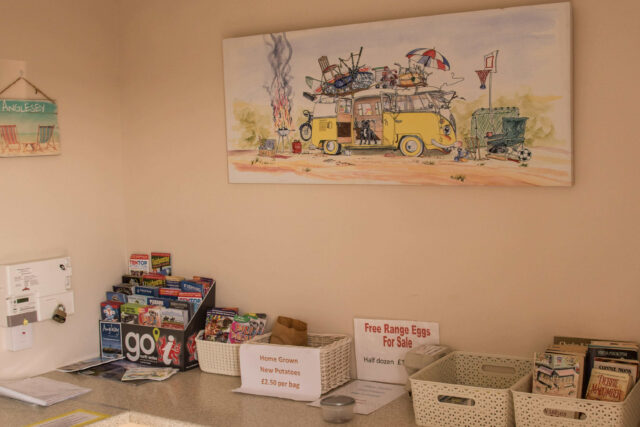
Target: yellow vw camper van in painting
411,123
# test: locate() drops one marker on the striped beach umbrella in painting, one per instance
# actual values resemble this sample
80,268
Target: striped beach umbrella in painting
429,58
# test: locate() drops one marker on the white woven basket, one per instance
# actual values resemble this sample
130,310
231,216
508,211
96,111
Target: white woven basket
219,357
486,379
530,410
335,357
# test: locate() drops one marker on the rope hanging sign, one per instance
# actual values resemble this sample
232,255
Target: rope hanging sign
37,89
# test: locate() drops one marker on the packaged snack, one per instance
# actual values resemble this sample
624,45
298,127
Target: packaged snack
149,291
174,318
169,293
258,323
240,330
161,263
110,311
150,316
217,324
138,264
116,296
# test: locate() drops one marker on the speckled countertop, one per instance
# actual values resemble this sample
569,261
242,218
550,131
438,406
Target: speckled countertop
188,398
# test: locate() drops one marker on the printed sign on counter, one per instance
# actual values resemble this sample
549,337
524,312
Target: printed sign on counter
382,344
281,371
79,417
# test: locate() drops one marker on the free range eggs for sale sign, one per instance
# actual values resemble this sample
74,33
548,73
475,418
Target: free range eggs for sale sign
382,344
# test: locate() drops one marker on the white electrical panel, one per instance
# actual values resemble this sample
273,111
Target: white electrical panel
31,291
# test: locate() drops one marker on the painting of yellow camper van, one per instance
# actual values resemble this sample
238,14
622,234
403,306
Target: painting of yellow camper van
460,99
408,123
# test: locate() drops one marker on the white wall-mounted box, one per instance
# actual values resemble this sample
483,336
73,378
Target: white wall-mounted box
32,290
19,337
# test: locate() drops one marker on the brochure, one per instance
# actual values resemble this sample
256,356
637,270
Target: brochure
114,370
40,390
85,364
155,374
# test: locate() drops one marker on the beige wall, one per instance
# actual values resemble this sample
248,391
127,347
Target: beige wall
501,269
71,204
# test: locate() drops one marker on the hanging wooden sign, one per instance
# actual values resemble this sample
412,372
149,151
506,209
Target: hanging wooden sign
28,127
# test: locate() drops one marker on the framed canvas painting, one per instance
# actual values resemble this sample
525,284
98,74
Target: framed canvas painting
476,98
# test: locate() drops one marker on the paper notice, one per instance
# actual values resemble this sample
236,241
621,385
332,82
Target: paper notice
369,396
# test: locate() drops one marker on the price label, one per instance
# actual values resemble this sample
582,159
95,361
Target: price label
382,344
280,371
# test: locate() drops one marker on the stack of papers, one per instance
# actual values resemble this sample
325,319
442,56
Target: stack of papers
41,391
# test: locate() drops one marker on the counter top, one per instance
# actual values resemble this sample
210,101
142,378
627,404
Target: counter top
192,397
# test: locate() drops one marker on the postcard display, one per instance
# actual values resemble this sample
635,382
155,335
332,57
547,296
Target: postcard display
157,346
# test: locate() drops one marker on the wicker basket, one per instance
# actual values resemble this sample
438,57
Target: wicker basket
530,410
218,357
335,357
483,380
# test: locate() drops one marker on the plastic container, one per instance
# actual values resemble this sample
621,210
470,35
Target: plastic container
424,355
421,356
218,357
465,388
543,410
337,409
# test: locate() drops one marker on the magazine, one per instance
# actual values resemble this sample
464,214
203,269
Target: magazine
155,374
85,364
114,370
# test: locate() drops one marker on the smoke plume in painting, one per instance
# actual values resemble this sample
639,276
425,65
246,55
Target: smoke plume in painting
280,89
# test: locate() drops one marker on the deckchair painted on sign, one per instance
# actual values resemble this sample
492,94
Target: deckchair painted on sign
9,138
45,137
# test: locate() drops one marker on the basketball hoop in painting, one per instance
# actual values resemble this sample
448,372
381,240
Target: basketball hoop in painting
491,61
482,75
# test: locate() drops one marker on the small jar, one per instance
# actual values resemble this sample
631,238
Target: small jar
337,409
